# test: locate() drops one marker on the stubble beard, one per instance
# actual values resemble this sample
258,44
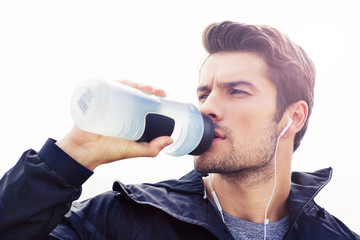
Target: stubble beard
246,160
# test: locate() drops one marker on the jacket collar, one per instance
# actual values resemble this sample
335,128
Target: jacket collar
167,195
182,199
304,187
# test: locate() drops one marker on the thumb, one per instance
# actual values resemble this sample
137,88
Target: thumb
158,144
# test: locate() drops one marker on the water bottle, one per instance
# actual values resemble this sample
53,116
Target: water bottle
113,109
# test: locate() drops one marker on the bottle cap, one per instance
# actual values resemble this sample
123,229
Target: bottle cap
207,138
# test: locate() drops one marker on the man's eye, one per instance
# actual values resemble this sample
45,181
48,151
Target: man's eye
238,91
203,96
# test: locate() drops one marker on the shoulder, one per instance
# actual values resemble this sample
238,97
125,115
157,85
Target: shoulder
96,218
317,223
308,220
169,205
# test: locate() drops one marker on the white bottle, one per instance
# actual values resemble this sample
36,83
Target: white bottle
113,109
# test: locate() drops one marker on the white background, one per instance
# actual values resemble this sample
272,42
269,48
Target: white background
48,47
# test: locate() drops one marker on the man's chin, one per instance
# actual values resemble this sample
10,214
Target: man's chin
204,163
200,165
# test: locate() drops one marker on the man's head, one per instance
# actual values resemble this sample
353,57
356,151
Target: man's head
288,66
235,91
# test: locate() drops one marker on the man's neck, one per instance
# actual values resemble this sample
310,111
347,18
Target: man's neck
248,201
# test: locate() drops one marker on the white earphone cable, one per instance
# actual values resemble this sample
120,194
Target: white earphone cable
217,202
266,220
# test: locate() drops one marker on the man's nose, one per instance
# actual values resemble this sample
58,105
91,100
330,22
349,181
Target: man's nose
212,107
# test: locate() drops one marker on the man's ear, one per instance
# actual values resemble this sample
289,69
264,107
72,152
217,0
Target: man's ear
298,112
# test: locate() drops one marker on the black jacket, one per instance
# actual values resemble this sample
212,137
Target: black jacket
37,193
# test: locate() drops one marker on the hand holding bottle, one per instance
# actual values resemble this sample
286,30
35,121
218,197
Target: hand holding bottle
112,109
92,150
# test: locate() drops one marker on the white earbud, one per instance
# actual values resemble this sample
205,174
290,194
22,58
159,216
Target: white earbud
286,127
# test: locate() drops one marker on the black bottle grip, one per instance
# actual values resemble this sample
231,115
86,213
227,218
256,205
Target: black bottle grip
157,125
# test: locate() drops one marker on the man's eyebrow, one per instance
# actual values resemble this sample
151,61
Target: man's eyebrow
235,83
226,85
203,89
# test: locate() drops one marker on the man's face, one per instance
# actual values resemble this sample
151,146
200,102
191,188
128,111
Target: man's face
235,91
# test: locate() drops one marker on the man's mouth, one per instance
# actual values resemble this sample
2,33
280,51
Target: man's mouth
218,136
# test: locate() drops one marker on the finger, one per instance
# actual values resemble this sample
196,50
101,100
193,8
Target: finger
128,83
159,92
150,89
118,149
145,88
149,149
158,144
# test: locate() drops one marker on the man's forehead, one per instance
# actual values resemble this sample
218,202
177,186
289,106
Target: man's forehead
231,69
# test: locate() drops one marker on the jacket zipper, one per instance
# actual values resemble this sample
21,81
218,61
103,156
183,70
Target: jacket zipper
306,204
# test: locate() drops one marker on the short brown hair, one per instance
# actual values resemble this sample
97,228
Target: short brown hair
289,67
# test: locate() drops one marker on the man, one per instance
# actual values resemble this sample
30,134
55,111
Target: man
257,86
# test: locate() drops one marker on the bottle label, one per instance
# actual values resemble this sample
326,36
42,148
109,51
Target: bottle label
85,100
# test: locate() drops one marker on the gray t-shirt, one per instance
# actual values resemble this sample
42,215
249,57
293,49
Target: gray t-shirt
244,230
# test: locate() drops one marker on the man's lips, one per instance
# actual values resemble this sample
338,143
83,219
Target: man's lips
218,136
